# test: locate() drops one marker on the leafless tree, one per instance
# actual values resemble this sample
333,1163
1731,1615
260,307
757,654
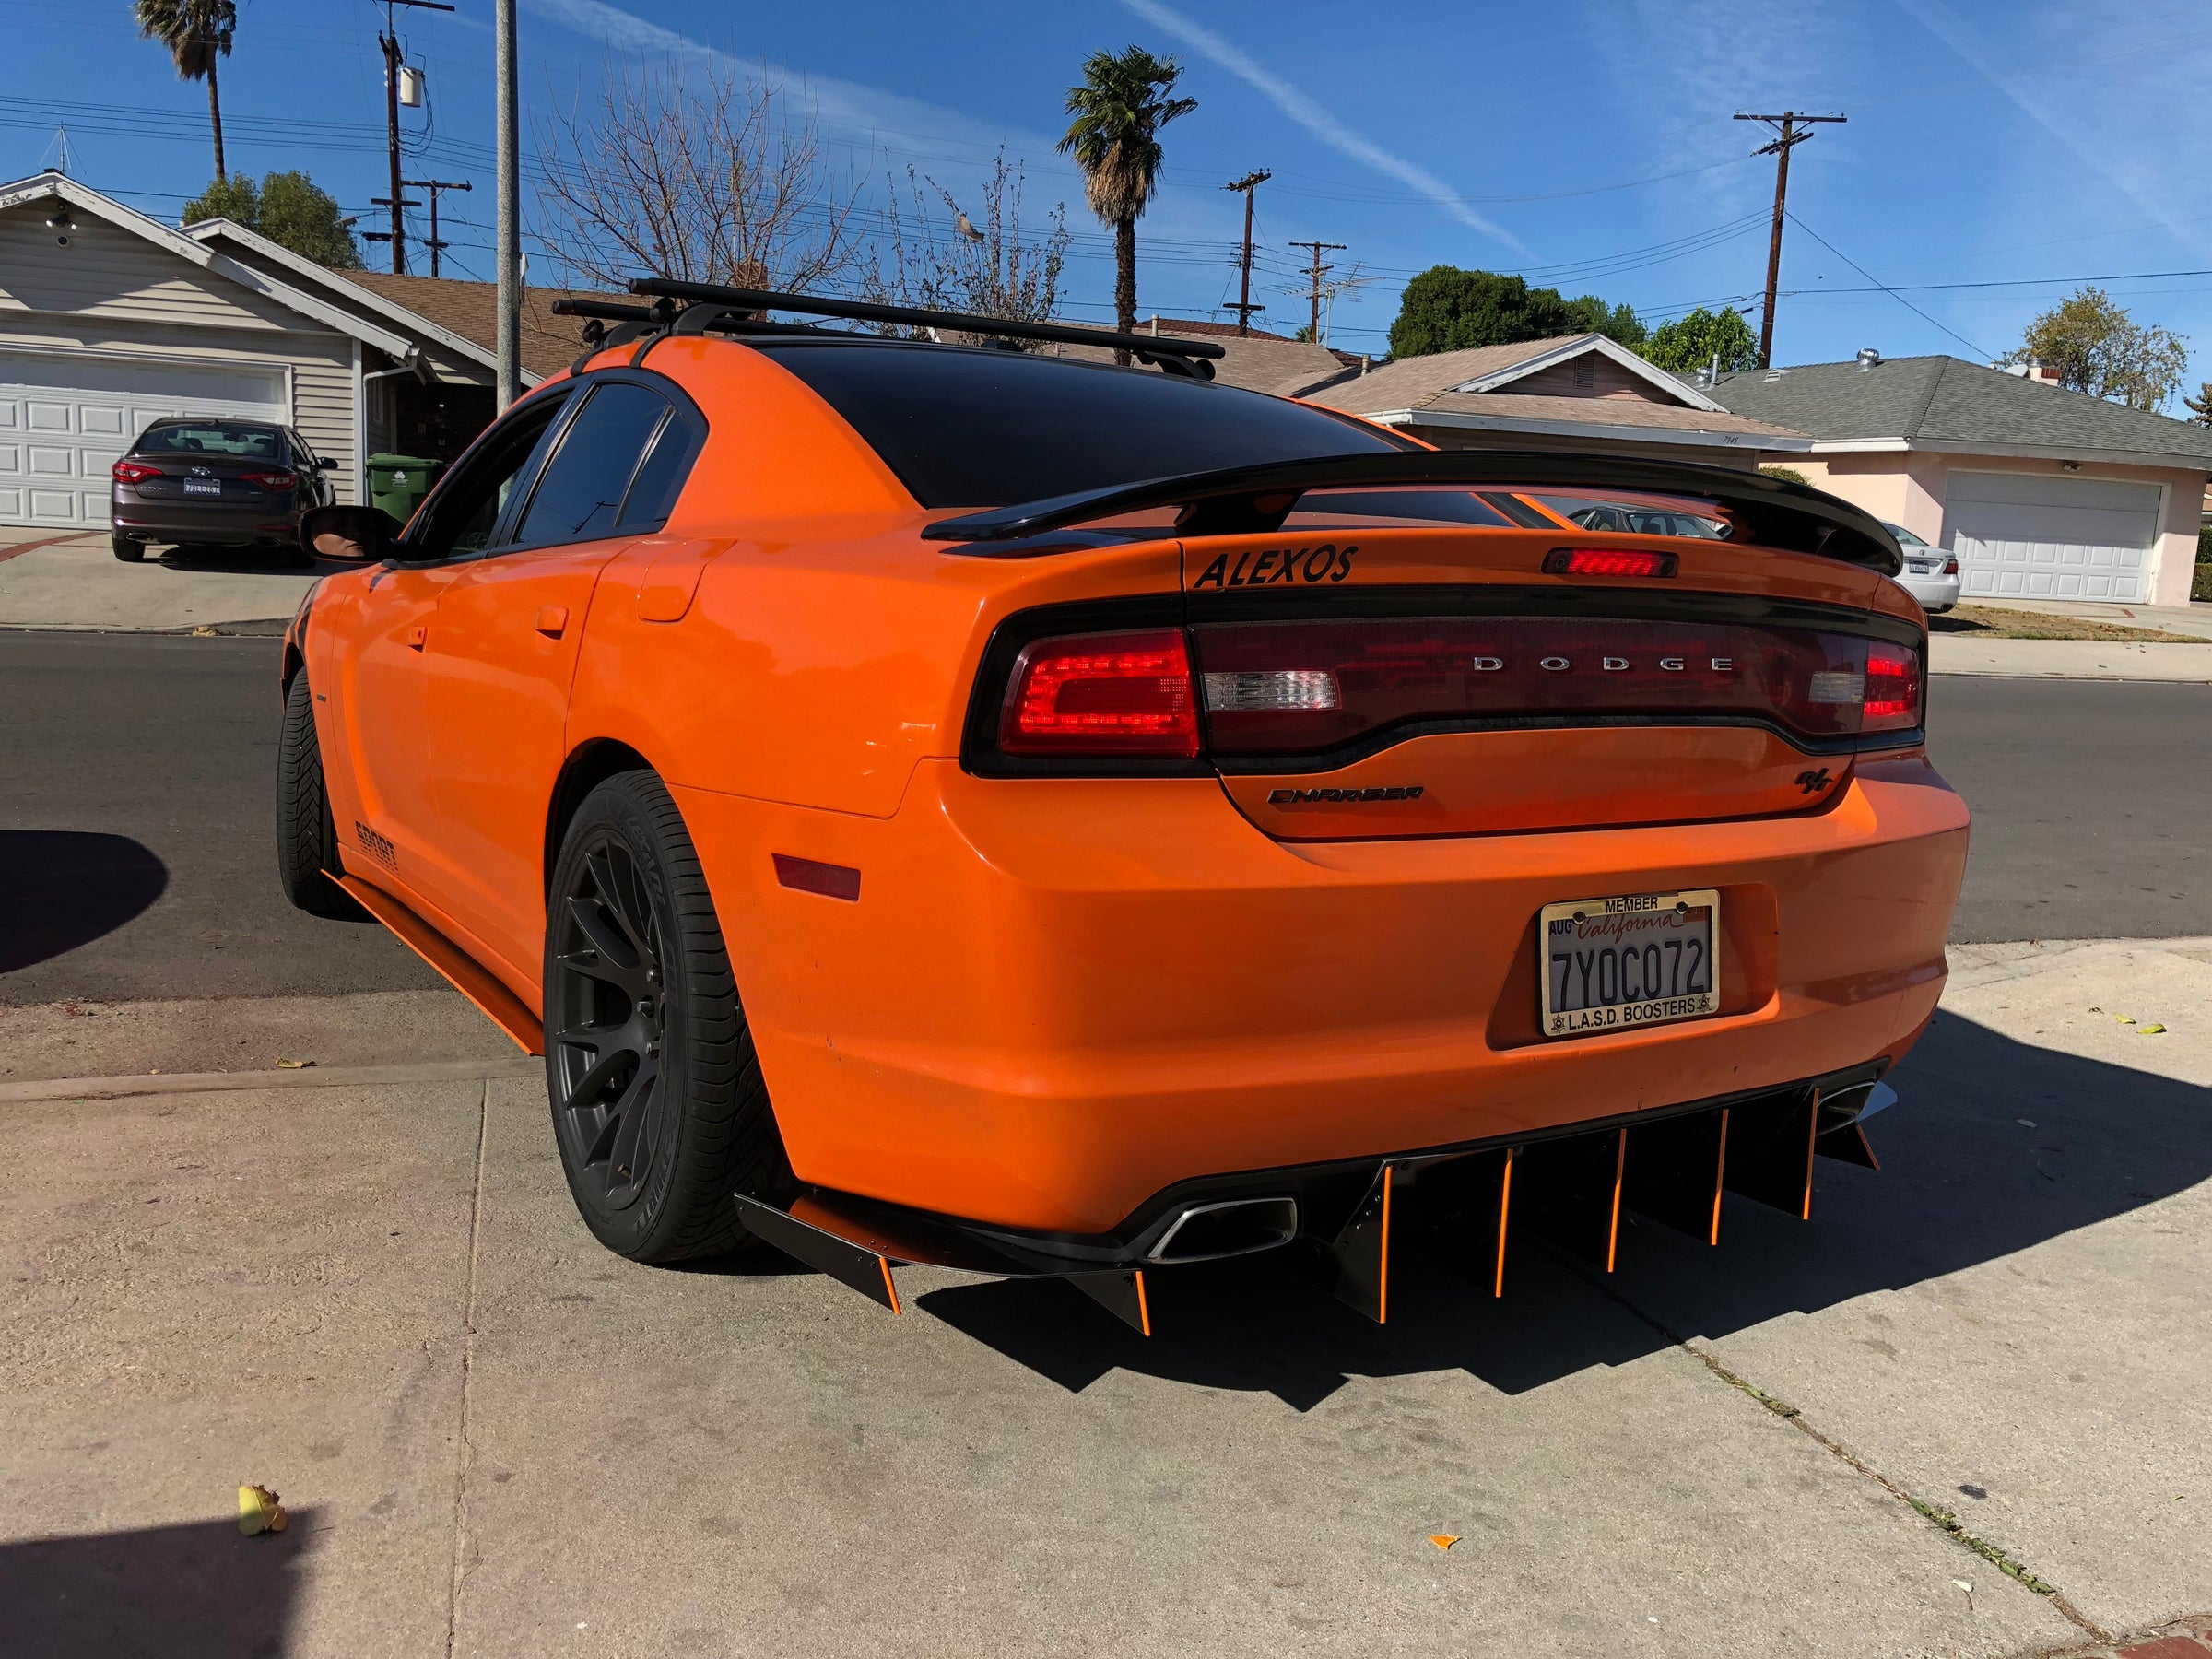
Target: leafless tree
696,169
951,263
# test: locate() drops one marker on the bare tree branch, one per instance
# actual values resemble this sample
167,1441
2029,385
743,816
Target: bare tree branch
956,265
698,171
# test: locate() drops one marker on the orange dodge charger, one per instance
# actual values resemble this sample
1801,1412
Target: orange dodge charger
980,805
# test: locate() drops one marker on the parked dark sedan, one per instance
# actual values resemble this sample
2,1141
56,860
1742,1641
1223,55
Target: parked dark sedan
215,482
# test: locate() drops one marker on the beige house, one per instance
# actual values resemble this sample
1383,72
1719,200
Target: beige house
2038,491
1582,392
110,320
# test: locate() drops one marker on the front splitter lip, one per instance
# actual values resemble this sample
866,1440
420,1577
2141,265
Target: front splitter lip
1326,1194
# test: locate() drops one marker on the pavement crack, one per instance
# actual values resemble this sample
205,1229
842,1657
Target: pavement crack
1941,1519
465,1454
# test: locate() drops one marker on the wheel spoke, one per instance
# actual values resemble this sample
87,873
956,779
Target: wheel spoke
632,1151
620,898
585,1091
594,964
616,955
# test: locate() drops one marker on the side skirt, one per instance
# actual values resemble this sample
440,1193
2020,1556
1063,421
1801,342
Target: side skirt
493,1000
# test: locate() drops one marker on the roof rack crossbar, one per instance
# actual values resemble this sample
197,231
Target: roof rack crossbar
1155,348
1770,513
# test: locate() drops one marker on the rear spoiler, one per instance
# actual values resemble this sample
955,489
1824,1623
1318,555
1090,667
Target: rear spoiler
1237,500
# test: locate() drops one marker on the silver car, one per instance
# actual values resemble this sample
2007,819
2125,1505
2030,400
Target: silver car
1930,575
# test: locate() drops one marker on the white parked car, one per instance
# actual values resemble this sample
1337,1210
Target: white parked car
1930,575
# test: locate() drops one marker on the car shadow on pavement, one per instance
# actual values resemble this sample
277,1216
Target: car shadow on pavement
237,561
1995,1146
61,888
200,1590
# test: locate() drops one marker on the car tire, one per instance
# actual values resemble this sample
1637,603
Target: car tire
128,550
307,836
659,1109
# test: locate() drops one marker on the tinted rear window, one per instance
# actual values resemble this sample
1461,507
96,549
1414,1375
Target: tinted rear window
227,439
982,428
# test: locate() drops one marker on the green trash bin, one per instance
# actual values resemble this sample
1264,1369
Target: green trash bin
398,483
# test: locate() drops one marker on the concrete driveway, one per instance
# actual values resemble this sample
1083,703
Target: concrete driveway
363,1284
76,581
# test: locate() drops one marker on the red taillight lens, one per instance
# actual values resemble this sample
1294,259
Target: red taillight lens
1892,688
1607,561
1950,567
1102,694
133,471
278,481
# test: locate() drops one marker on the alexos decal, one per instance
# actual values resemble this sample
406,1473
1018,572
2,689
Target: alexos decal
1327,563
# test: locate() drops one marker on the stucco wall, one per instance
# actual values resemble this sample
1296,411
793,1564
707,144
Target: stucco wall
1908,488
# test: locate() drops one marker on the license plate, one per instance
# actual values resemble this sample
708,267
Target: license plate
1922,567
1647,959
203,486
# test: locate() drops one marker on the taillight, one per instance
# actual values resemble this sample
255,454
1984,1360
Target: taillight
1127,694
1312,688
1892,695
1950,567
133,471
1607,561
278,481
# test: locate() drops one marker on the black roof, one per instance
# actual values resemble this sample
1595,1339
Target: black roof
1932,401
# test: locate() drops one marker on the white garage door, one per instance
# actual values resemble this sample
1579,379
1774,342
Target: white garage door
2027,538
65,419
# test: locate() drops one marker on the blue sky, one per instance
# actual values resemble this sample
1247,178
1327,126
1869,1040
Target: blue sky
1586,142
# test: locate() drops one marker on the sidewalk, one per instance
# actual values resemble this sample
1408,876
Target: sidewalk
64,580
2067,659
370,1293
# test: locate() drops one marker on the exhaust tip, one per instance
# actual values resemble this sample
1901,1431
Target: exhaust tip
1205,1232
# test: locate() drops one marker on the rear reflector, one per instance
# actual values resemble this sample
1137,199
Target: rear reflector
810,875
1263,680
1607,561
132,472
1103,694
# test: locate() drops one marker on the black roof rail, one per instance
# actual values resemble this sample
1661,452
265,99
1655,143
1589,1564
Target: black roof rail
744,310
1771,512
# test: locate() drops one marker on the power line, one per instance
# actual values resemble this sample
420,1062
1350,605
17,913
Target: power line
1317,271
1886,288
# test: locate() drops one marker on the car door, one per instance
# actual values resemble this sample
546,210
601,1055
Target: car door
503,648
389,822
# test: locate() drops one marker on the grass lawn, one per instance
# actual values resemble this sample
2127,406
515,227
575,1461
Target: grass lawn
1994,622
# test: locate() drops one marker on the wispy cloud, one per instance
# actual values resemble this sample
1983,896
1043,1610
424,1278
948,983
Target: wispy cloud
1304,110
858,108
2121,166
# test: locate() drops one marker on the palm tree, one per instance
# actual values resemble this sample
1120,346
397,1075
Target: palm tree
197,32
1118,111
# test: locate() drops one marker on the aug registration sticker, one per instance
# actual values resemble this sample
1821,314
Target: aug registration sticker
1646,958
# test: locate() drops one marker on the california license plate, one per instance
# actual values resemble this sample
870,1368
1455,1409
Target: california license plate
1647,959
203,486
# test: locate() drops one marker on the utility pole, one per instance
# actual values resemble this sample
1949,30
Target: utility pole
1787,138
1250,183
1316,271
510,253
434,186
389,40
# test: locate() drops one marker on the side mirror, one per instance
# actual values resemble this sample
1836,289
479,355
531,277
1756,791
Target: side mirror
324,463
352,535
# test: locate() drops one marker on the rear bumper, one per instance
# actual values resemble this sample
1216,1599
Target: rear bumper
1936,593
1055,1000
213,523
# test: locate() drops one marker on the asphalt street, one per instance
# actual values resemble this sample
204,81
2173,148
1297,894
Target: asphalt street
137,838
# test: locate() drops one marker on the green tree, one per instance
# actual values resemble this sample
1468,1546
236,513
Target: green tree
2097,347
1114,137
1446,309
197,32
1692,342
2200,406
290,208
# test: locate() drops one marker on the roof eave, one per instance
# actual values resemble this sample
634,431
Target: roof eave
1779,443
1608,349
206,258
2025,451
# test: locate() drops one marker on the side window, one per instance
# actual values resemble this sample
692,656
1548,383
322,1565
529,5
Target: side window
654,491
466,510
580,497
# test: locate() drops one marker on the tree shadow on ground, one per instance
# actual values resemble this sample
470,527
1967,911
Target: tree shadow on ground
61,888
1963,1183
200,1590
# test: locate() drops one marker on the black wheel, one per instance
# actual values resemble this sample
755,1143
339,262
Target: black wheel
307,838
129,551
658,1105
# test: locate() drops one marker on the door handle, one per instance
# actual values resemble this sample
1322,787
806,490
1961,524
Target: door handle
552,620
417,635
